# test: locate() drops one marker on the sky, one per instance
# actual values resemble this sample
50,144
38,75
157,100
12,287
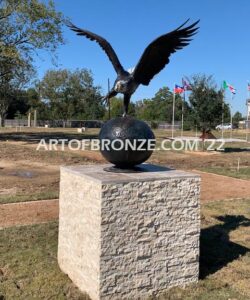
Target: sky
221,48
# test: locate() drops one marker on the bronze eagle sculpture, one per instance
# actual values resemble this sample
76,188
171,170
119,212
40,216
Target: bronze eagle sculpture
152,61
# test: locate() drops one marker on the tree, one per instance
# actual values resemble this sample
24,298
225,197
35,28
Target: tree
237,117
117,109
19,104
4,100
159,108
10,85
24,101
71,94
26,26
206,102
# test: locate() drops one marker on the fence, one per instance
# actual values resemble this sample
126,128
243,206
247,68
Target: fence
163,125
56,123
79,123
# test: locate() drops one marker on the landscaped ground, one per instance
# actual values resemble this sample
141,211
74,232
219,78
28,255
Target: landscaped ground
29,270
32,212
27,174
28,267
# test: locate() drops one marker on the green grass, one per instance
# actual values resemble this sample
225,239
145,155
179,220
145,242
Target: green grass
243,173
225,254
240,134
47,195
28,265
29,270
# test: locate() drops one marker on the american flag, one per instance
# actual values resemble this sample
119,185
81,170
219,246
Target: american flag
178,89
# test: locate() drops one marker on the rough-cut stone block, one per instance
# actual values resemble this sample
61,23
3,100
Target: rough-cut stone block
128,236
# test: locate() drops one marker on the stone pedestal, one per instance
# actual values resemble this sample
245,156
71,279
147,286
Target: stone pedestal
128,236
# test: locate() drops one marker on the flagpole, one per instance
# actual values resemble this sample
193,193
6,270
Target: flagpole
248,91
173,113
222,121
231,116
248,96
182,112
247,124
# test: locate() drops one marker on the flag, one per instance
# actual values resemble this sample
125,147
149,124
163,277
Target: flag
232,89
186,85
225,85
178,89
248,86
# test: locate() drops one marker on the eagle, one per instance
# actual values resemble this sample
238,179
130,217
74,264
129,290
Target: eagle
154,58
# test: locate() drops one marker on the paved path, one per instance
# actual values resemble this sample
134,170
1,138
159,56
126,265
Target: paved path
219,187
25,213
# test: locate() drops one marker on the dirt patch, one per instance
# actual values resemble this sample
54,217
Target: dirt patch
27,178
31,172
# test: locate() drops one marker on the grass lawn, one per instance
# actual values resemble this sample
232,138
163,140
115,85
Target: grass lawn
33,197
29,270
243,173
28,265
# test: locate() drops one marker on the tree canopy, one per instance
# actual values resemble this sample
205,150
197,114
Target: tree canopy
159,108
71,94
26,26
206,102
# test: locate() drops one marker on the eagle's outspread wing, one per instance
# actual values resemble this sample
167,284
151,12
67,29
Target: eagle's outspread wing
157,54
105,45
